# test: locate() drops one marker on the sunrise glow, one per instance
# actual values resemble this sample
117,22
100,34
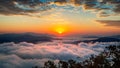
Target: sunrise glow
59,33
73,18
60,30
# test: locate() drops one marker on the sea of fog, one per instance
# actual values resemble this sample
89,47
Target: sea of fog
27,55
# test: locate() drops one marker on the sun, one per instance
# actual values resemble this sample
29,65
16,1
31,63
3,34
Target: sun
60,30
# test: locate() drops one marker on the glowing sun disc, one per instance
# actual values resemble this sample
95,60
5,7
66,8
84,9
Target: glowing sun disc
60,30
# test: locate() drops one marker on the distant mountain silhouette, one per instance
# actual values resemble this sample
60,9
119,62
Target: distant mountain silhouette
106,39
24,37
115,36
102,39
91,37
94,36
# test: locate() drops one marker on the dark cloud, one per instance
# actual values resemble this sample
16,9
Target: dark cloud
8,7
111,1
60,1
103,14
110,7
115,23
89,6
23,7
117,9
77,2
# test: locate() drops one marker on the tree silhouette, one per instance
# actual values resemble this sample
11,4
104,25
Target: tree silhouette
49,64
63,64
109,58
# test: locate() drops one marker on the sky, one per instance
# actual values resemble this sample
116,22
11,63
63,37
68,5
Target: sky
60,16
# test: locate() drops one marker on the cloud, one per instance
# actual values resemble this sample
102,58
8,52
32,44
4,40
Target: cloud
103,14
14,61
44,50
60,1
21,7
27,55
27,7
115,23
117,8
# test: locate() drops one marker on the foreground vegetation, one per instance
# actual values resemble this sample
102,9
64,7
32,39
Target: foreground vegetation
110,58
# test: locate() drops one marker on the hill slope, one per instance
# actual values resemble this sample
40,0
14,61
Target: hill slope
26,37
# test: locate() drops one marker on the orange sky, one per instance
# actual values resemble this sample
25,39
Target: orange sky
67,22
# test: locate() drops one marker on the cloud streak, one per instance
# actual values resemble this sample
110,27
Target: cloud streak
115,23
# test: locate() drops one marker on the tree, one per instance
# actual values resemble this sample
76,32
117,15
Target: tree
49,64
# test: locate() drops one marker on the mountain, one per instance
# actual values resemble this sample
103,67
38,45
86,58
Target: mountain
102,39
24,37
91,37
115,36
106,39
95,36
